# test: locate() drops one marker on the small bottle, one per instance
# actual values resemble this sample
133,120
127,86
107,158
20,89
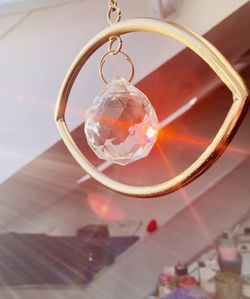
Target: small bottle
228,286
181,270
170,270
227,247
166,285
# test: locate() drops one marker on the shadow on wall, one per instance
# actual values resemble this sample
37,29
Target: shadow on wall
38,259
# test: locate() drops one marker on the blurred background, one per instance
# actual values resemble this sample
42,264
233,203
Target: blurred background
62,235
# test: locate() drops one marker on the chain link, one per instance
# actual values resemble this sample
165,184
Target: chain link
115,41
114,12
113,17
113,3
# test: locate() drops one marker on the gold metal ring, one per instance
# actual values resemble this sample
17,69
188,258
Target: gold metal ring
102,61
209,54
114,9
112,40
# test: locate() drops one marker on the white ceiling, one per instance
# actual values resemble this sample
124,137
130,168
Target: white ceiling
16,6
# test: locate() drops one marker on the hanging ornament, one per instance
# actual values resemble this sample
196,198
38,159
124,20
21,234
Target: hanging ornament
121,126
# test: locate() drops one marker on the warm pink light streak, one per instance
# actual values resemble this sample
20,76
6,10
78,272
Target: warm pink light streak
199,142
184,195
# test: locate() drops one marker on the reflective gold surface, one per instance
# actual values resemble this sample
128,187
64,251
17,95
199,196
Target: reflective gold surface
209,54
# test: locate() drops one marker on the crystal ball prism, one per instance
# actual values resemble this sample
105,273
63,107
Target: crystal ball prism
121,126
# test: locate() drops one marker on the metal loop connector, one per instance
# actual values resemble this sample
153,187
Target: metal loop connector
112,40
102,61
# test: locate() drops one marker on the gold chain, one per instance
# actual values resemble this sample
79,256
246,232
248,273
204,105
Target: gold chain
114,12
113,17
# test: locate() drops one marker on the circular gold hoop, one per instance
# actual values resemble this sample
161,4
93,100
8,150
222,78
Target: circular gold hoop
209,54
102,61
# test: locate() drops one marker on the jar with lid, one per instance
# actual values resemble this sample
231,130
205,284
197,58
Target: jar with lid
228,286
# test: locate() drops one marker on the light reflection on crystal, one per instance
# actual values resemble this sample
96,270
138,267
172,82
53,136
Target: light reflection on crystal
121,126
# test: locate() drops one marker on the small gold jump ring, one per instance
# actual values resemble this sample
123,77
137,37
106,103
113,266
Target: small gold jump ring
112,40
102,61
111,10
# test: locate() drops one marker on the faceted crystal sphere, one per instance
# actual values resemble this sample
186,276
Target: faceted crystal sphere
121,126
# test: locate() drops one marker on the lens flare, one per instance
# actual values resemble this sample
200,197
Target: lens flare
105,208
151,132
